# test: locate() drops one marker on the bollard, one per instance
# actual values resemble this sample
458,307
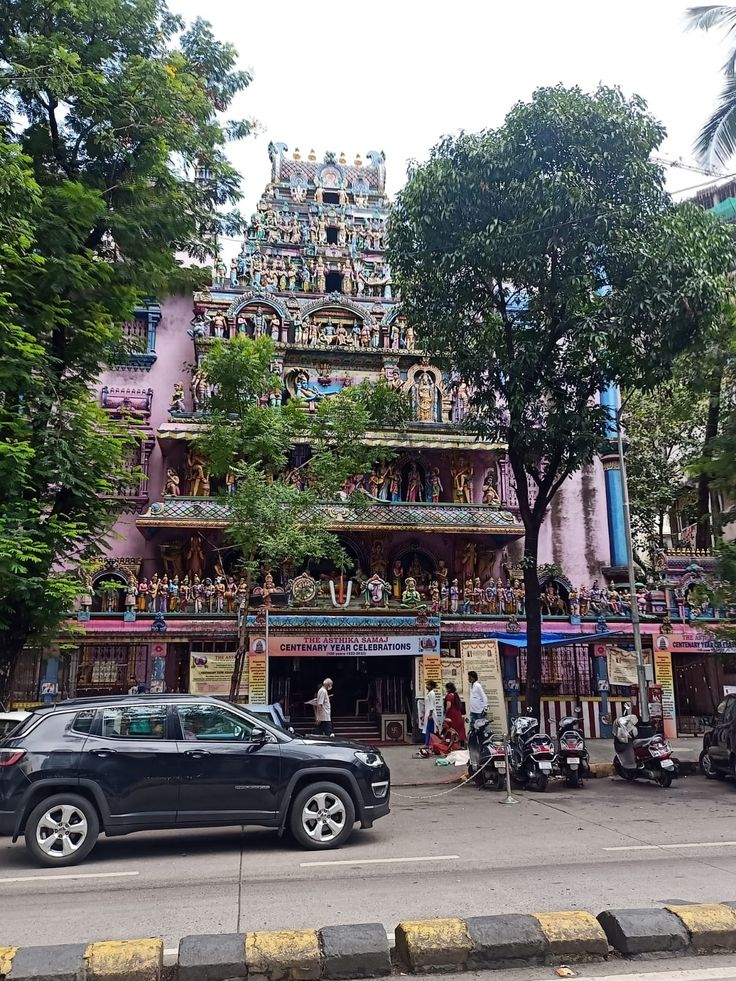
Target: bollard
509,798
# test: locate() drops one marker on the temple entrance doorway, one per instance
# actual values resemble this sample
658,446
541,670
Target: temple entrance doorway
364,688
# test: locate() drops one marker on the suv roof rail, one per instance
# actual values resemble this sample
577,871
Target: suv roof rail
115,699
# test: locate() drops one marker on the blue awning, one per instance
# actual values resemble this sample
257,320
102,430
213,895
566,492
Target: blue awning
554,639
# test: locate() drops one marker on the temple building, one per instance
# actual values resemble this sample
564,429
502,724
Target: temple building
435,552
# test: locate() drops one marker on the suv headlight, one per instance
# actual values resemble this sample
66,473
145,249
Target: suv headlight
369,759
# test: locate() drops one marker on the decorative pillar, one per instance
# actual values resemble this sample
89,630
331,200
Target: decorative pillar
614,487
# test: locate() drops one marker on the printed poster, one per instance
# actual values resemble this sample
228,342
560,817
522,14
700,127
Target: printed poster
622,667
663,669
482,657
258,674
432,671
211,674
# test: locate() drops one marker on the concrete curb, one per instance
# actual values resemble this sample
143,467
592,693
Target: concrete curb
345,953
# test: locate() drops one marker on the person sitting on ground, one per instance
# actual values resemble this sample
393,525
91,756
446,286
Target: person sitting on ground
446,742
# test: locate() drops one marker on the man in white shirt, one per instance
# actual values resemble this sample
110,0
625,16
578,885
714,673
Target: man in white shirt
478,699
323,709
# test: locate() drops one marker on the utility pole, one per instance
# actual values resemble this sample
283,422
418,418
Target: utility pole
634,604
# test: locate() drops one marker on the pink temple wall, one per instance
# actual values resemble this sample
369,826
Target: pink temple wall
575,533
174,352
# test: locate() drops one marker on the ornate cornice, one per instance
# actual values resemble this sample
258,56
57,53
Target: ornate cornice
193,512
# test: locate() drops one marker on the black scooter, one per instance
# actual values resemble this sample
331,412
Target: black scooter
572,760
486,757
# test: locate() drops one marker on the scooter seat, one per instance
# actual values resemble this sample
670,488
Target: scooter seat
643,742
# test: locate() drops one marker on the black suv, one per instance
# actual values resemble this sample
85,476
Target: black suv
718,757
136,763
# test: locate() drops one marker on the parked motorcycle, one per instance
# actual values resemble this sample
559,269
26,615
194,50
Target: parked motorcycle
531,755
572,760
641,759
486,756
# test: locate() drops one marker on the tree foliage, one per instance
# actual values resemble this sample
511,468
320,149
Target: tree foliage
107,109
545,262
665,431
716,141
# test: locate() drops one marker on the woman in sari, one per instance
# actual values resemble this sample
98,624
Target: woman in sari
453,712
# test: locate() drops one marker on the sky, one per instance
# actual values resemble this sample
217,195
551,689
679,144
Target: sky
396,75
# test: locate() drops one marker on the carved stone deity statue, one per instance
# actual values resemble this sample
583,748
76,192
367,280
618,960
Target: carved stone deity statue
425,397
490,494
199,481
171,487
410,596
177,398
195,555
200,389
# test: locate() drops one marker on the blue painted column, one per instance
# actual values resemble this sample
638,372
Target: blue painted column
600,665
614,489
50,676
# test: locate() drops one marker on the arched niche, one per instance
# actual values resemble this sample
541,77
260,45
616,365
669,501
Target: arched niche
426,389
108,600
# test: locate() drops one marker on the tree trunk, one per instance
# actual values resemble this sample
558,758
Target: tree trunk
12,648
533,604
704,530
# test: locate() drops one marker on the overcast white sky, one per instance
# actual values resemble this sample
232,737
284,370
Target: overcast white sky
395,75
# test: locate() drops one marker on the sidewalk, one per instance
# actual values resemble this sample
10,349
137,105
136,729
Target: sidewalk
409,772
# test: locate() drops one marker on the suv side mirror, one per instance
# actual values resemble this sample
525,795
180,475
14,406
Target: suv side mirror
259,736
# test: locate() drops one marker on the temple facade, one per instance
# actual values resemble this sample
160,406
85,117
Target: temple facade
435,553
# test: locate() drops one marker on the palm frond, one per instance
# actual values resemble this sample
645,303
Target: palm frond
711,15
716,142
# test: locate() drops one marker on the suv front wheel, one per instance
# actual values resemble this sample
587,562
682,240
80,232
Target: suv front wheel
62,830
322,816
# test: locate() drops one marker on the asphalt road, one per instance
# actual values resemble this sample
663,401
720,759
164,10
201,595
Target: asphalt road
463,853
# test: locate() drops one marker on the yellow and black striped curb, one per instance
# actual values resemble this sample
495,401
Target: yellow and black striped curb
362,950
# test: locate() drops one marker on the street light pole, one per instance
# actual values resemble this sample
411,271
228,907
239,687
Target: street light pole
633,602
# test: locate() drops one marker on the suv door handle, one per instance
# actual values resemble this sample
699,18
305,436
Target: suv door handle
197,754
103,752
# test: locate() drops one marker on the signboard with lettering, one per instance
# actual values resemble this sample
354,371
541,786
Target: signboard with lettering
665,680
211,674
352,645
621,667
482,657
258,677
688,640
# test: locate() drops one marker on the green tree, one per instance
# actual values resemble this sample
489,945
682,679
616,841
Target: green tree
665,430
277,513
545,262
716,140
112,162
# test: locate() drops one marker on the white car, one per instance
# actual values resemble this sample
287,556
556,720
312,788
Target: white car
10,721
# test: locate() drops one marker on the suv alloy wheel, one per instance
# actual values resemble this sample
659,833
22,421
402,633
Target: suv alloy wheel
706,765
62,830
322,816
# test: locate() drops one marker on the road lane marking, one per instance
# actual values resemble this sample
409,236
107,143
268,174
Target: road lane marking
684,844
77,875
378,861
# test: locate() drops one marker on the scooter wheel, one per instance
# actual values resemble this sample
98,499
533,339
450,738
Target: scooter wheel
624,774
665,779
540,782
574,780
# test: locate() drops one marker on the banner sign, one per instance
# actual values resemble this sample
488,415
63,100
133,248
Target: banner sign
663,669
258,678
211,674
693,641
482,657
622,667
352,645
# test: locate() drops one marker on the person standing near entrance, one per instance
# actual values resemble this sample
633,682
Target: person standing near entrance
478,698
430,712
323,709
